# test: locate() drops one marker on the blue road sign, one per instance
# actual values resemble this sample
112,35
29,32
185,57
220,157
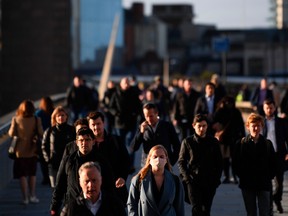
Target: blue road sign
220,44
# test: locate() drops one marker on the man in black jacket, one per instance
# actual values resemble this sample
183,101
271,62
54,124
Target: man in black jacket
200,165
67,182
93,200
261,93
154,131
108,146
207,105
275,129
125,105
254,162
184,107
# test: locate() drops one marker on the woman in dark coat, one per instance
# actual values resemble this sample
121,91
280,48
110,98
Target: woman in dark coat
55,139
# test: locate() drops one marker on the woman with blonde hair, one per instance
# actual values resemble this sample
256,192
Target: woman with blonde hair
25,126
55,139
155,190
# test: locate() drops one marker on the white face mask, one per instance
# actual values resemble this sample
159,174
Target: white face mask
158,162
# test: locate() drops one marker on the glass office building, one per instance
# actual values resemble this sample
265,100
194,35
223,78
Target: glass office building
92,22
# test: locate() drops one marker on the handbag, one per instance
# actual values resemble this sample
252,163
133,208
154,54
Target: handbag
12,147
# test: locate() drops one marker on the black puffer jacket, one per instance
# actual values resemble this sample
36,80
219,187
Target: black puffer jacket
54,142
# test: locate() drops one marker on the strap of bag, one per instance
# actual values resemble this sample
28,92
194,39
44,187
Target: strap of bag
15,132
36,126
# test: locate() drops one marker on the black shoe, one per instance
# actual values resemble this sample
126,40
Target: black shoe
279,207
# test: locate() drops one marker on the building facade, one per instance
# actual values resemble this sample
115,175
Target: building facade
92,23
36,50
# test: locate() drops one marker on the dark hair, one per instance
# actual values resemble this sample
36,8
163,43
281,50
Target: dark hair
226,102
210,84
85,131
46,104
269,101
94,115
199,118
81,121
150,106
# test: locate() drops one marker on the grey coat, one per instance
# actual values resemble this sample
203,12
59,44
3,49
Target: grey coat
142,203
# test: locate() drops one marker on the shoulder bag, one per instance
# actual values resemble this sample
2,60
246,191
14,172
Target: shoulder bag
12,147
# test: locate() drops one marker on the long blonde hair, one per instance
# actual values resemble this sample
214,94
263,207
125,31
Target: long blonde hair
56,111
143,172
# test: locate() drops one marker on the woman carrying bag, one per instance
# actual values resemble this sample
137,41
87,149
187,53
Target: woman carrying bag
25,126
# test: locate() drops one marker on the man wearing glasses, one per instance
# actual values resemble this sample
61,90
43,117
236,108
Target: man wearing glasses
67,183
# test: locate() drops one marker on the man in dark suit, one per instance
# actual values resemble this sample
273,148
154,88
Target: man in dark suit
260,94
154,131
207,104
183,109
275,129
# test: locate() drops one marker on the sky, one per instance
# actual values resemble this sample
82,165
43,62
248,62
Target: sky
243,14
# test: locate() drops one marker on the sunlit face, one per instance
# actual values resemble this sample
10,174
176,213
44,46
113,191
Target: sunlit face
209,90
77,81
149,96
97,126
187,85
85,144
61,117
90,181
200,128
254,129
263,84
269,109
124,84
158,159
151,116
110,84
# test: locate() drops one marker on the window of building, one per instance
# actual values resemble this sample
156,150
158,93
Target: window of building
255,66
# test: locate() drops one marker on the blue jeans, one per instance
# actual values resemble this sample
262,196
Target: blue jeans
252,197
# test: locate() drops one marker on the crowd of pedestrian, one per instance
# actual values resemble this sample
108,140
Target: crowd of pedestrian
87,148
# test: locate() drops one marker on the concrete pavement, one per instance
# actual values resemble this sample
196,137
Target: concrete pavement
227,202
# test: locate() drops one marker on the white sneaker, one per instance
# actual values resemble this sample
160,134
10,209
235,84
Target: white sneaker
34,199
25,202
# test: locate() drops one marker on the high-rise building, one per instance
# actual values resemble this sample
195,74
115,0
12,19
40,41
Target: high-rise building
92,23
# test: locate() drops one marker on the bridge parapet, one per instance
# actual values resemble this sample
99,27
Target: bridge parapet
6,164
